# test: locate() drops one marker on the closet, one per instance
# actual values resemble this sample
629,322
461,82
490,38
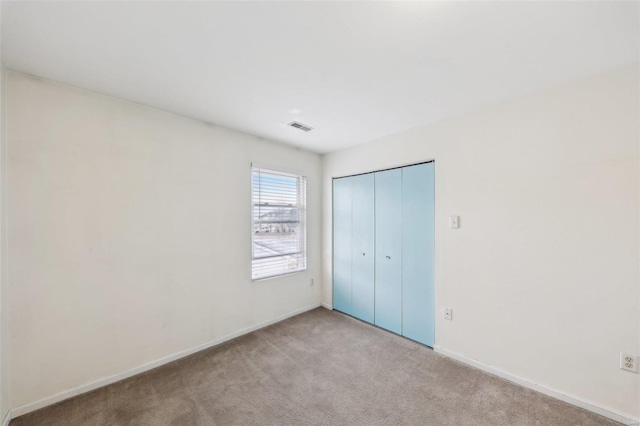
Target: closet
383,249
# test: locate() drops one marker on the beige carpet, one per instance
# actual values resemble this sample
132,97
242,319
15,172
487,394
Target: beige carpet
319,368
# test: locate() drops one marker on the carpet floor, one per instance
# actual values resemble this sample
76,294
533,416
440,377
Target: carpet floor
318,368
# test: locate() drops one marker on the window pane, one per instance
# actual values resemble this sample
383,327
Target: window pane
279,245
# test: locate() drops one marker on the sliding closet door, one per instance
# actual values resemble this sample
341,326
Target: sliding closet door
418,222
362,243
383,249
388,238
342,245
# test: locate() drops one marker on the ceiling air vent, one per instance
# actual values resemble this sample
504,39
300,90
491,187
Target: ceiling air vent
300,126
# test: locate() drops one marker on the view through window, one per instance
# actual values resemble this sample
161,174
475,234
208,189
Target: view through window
279,231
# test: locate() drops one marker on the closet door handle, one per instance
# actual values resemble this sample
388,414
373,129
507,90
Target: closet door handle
363,253
388,257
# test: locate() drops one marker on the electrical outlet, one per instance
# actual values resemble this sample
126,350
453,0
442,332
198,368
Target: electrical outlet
628,362
447,313
311,283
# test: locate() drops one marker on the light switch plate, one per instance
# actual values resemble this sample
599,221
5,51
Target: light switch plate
454,222
447,313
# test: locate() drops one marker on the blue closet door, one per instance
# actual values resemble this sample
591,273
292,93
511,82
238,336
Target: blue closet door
342,245
388,238
418,252
362,244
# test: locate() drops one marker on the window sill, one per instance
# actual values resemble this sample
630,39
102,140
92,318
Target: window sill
273,277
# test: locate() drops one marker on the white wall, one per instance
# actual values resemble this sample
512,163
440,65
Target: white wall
4,318
4,311
543,273
118,214
130,236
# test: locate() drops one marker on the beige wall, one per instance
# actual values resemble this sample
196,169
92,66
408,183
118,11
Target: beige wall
130,236
543,274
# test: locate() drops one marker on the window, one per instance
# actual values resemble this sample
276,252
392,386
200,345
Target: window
279,232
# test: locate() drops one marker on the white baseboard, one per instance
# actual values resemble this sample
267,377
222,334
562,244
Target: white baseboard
88,387
7,419
571,399
53,399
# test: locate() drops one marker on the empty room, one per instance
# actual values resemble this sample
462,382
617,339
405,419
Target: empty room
319,213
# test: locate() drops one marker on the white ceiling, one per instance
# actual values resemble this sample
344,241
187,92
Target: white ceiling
356,71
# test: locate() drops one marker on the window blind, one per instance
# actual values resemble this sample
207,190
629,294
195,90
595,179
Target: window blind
278,224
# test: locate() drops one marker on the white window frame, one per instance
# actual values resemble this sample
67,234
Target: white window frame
299,257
